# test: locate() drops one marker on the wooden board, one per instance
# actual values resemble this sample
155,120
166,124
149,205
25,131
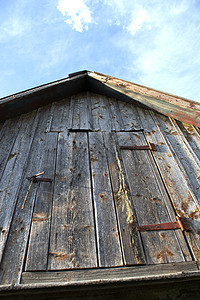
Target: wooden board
13,174
129,116
14,254
111,274
183,154
175,182
80,113
192,137
60,115
127,219
38,246
160,246
118,124
8,135
101,113
72,241
109,249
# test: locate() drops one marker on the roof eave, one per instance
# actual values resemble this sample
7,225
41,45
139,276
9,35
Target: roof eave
37,97
170,105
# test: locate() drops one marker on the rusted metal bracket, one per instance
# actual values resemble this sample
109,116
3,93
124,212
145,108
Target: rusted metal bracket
35,179
181,223
150,146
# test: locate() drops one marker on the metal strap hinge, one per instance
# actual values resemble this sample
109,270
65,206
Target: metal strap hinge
150,146
181,223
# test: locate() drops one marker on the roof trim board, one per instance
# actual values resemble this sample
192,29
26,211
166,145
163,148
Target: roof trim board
172,106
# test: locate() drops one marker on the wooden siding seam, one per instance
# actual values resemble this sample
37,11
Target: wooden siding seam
171,212
185,142
52,197
179,164
114,204
16,195
93,205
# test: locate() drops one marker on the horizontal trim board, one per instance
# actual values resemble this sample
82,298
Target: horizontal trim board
188,274
111,275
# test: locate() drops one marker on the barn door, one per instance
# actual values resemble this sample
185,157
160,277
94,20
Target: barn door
141,199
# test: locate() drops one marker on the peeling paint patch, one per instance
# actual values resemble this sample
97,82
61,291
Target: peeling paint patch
122,193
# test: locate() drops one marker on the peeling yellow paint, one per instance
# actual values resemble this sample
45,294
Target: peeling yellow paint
122,193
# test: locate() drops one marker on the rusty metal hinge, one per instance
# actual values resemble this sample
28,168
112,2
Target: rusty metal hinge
181,223
150,146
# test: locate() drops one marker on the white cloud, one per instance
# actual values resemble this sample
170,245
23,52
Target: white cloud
138,19
12,28
78,12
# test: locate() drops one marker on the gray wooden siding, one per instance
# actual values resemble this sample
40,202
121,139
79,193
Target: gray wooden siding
87,216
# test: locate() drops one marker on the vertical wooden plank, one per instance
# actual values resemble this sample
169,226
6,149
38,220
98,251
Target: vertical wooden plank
60,116
40,228
14,254
181,195
182,154
162,246
49,118
13,173
8,135
80,113
191,135
118,124
109,249
129,116
101,113
130,237
72,241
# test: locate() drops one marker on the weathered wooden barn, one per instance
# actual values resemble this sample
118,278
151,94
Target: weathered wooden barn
99,192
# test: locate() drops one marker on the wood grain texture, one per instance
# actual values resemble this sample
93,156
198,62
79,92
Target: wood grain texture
13,174
38,246
60,117
130,238
183,154
129,116
14,255
118,124
72,242
8,134
180,193
191,138
162,246
80,112
109,250
101,113
110,274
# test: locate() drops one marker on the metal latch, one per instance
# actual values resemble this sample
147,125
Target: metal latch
181,223
150,146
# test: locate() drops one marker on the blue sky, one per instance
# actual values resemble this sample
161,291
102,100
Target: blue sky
155,43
